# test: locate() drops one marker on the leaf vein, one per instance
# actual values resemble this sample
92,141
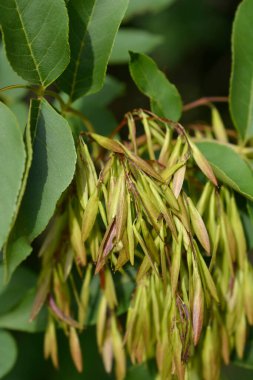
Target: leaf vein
27,40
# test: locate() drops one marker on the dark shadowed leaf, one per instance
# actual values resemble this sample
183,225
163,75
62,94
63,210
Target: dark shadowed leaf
18,318
93,26
146,371
12,293
124,285
52,170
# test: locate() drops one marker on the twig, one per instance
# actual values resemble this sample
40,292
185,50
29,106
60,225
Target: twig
205,101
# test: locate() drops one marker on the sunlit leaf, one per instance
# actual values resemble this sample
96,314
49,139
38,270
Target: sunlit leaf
164,97
12,163
36,50
231,169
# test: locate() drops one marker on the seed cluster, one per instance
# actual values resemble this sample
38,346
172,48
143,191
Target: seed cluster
149,207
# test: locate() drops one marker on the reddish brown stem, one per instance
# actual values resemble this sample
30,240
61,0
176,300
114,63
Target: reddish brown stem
205,101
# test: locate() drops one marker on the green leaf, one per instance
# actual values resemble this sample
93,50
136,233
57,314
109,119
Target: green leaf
164,97
8,77
19,248
35,34
133,39
29,153
137,7
11,294
18,317
12,163
241,90
52,170
20,110
93,26
112,89
95,109
8,352
229,167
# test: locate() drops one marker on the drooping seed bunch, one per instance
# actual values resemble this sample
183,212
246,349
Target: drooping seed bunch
134,204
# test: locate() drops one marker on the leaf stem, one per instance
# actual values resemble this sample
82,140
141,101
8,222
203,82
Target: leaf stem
56,96
84,119
15,86
205,101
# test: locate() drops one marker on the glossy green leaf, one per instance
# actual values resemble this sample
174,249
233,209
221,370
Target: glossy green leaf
36,38
241,91
12,163
137,7
164,97
8,352
133,39
229,167
18,318
93,26
52,170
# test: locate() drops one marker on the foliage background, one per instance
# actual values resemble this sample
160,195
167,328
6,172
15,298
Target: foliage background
190,41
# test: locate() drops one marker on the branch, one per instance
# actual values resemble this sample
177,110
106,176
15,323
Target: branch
205,101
